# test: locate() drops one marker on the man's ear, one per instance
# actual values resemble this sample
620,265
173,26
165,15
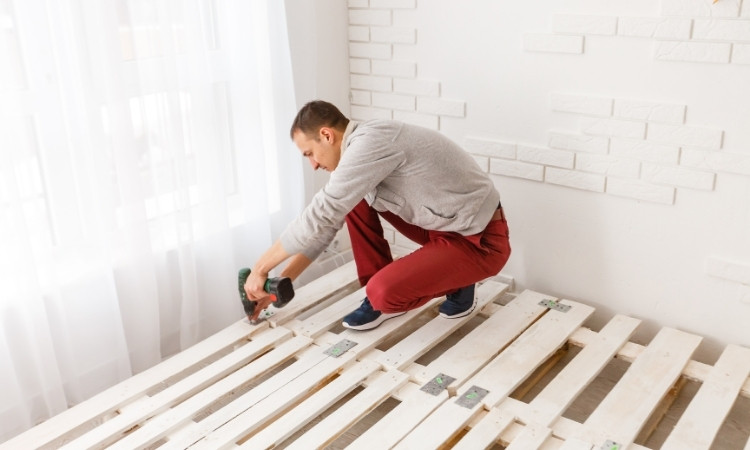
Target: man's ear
326,134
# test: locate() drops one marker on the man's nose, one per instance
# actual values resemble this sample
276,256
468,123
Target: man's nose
314,163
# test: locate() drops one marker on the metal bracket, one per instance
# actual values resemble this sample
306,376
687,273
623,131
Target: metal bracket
437,384
340,348
472,397
611,445
551,304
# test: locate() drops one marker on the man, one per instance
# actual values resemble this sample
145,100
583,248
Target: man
426,186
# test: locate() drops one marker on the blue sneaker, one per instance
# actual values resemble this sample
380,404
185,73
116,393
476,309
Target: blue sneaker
366,318
459,304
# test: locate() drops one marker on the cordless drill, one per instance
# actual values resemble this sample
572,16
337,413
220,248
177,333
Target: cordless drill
281,290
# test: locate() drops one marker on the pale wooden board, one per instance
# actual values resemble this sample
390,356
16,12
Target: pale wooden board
576,444
705,414
112,429
284,426
486,432
403,418
339,421
532,437
552,401
484,342
165,423
427,336
323,320
627,407
502,374
134,387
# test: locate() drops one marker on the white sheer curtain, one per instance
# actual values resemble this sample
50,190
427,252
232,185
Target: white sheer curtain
144,158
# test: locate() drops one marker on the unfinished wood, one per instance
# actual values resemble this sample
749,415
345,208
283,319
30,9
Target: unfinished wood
625,410
576,444
702,419
486,432
112,429
322,321
532,437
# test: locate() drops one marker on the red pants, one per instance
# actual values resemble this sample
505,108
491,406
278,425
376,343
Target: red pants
446,262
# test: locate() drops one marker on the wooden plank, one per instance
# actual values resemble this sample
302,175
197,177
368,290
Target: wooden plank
427,336
627,407
392,427
284,426
325,319
704,416
340,420
555,398
111,430
501,375
532,437
167,422
485,433
108,401
487,340
576,444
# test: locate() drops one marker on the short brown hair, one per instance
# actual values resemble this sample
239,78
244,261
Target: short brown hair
317,114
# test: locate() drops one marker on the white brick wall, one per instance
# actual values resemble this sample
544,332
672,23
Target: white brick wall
369,17
423,120
545,156
393,35
371,83
575,179
608,165
613,128
649,111
686,135
517,169
729,270
360,97
640,190
581,104
678,177
700,8
394,101
359,33
577,142
483,162
721,30
490,147
441,107
720,161
552,43
393,3
401,69
652,27
580,24
692,51
643,150
369,50
369,113
741,52
417,87
358,65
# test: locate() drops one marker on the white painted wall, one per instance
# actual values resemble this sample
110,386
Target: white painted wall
655,224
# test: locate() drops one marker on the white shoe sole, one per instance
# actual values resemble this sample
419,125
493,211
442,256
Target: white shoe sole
375,323
461,314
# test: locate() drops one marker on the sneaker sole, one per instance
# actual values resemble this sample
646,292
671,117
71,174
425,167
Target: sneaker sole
462,313
374,324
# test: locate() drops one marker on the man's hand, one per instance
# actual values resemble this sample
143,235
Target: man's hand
254,291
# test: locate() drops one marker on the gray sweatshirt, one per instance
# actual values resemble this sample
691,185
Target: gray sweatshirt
416,173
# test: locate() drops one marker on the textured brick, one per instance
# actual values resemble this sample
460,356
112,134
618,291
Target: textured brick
441,107
517,169
490,147
369,17
720,161
741,53
483,162
393,101
363,98
721,30
745,9
359,3
729,270
578,142
574,179
608,165
700,8
581,104
552,43
649,111
358,65
423,120
359,33
368,50
369,113
371,83
640,190
644,150
546,156
394,68
685,135
651,27
393,4
692,51
394,35
584,24
678,177
613,128
405,52
417,87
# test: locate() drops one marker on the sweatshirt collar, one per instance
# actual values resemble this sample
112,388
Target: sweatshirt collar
349,128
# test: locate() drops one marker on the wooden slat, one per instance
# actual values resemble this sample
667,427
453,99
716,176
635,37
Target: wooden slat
112,429
627,407
484,434
323,320
554,399
340,420
501,375
576,444
427,336
703,418
485,341
532,437
165,423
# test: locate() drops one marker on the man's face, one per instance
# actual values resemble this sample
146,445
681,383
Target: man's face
323,150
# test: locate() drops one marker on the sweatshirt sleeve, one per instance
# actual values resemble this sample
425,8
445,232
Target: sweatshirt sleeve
367,161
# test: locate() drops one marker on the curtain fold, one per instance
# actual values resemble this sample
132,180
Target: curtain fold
144,158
